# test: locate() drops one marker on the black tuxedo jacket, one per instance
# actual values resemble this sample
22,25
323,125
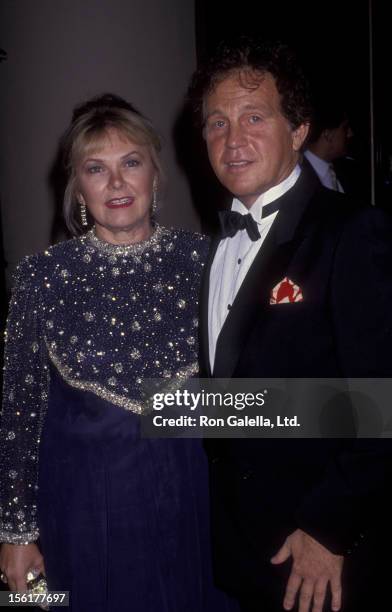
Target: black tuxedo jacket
262,489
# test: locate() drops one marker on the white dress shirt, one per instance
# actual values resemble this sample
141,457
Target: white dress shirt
234,256
324,171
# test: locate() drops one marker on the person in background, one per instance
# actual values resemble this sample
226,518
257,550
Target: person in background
328,149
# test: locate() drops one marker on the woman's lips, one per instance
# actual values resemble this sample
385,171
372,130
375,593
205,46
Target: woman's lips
119,202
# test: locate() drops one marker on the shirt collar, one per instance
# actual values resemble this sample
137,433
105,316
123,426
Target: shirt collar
320,165
268,196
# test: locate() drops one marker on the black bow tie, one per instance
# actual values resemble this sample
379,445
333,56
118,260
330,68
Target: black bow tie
231,221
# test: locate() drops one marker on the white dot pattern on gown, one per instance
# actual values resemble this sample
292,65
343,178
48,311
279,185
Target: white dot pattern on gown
104,316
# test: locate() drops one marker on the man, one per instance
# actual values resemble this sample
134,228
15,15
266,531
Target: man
287,513
328,146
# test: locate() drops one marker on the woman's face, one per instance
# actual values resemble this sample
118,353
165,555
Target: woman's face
116,183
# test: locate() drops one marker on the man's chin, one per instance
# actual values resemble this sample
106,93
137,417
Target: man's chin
247,196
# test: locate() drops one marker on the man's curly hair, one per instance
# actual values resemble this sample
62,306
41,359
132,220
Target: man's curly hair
260,56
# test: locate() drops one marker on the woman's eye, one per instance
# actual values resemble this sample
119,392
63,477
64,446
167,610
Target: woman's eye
132,163
94,169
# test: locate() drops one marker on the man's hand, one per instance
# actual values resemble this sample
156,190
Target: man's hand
313,567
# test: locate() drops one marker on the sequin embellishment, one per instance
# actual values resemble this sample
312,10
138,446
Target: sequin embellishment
105,317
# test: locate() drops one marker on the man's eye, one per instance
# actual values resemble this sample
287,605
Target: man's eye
254,119
217,124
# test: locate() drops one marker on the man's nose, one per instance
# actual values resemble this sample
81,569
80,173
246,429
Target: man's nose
236,136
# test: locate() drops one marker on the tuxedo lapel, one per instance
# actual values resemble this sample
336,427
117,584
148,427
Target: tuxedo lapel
268,268
204,358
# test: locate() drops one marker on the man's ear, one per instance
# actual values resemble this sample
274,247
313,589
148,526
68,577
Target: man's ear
299,136
328,135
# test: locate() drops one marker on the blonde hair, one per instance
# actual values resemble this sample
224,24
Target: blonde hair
89,127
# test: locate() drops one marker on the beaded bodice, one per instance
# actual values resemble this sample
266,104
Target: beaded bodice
104,317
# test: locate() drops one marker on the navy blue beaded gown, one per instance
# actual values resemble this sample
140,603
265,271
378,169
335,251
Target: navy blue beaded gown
122,520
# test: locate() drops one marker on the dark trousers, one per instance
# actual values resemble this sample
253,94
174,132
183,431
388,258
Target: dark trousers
257,606
366,580
360,597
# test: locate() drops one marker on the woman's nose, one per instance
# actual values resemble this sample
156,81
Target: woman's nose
116,179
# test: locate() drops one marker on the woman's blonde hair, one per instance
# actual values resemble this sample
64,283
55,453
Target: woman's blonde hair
89,126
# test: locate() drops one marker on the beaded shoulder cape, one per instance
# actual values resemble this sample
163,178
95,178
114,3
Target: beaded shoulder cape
105,317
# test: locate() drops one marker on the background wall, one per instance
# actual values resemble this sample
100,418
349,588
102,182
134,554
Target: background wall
61,52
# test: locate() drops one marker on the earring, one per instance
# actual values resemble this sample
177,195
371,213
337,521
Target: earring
83,213
154,204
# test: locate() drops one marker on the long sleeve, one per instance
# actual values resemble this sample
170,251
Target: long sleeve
362,294
25,397
356,485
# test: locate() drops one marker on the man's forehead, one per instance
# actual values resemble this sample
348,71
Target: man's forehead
242,85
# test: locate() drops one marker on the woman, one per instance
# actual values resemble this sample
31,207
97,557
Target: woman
117,515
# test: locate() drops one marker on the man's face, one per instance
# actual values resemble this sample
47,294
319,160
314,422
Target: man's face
339,140
251,145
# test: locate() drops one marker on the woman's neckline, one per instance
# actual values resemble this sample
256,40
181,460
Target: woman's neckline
135,248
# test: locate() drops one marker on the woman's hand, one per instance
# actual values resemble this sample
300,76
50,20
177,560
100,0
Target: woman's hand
16,560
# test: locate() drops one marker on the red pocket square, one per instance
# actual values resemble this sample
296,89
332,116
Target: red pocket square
286,292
